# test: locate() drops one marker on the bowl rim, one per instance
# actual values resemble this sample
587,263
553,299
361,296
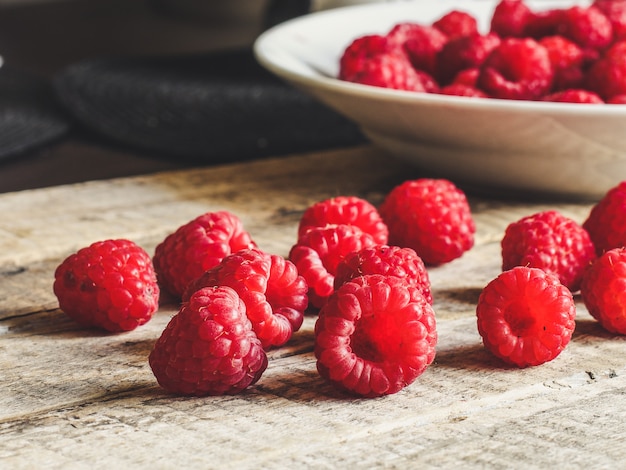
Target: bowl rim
266,42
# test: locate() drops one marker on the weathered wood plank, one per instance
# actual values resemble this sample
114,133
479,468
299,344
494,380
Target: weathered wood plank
72,397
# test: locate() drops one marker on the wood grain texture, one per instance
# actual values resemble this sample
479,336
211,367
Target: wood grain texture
74,398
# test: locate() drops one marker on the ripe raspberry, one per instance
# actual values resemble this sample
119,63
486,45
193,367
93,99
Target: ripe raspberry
208,348
422,47
544,23
607,76
386,260
459,89
464,53
431,216
517,69
375,336
196,247
606,222
603,290
110,284
567,61
526,316
510,18
550,241
586,26
361,50
394,71
615,11
617,99
318,252
467,77
457,23
348,210
574,96
274,294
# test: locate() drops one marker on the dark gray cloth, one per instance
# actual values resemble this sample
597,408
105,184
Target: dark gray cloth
209,108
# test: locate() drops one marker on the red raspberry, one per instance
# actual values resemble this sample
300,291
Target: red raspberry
607,76
517,69
574,96
198,246
208,348
567,61
361,50
459,89
615,11
467,77
464,53
526,316
544,23
348,210
375,336
386,260
422,47
603,290
606,223
431,216
318,252
510,18
457,23
586,26
394,71
617,99
274,294
550,241
110,284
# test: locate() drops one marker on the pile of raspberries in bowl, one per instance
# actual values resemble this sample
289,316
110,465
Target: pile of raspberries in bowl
573,54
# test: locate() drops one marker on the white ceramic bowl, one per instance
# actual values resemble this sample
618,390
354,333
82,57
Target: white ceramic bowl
576,151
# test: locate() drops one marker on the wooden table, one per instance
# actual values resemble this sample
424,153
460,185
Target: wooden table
77,398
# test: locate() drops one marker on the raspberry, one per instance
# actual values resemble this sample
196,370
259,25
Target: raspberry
586,26
606,222
617,99
274,294
198,246
517,69
550,241
510,18
456,23
603,290
467,77
574,96
349,210
431,216
318,252
615,11
393,71
459,89
375,336
607,76
525,316
386,260
567,61
463,53
544,23
208,347
110,284
361,50
422,47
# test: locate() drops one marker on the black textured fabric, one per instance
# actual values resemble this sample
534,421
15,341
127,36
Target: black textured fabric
208,108
29,116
